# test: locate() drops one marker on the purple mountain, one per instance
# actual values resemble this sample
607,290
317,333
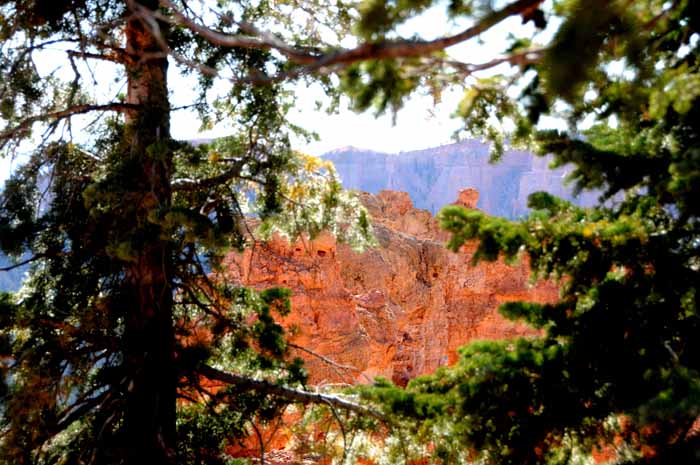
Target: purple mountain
434,176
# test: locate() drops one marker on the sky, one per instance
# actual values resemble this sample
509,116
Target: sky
420,124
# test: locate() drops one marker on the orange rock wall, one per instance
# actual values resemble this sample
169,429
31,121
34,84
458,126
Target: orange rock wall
398,310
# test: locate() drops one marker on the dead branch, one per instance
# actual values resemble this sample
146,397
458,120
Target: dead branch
287,393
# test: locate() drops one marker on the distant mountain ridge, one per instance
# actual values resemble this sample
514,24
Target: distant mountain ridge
433,177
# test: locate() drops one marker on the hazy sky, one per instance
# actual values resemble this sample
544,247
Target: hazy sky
420,124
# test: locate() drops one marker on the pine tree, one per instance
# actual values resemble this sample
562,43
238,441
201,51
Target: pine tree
616,370
108,348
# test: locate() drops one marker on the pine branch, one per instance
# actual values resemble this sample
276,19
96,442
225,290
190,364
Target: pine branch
410,49
366,51
287,393
120,58
22,263
188,185
267,41
55,116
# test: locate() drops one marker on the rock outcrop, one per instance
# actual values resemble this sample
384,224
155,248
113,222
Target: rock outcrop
434,176
398,310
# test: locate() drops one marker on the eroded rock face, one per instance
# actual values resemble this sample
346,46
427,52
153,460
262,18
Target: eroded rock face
398,310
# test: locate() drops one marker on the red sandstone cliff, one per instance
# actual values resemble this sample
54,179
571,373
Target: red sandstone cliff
398,310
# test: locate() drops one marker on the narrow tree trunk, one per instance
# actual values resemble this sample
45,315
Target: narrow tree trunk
149,421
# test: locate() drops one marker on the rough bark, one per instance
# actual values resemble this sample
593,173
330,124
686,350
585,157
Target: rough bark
149,421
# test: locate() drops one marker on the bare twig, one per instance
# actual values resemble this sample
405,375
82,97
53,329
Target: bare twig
266,41
342,431
664,13
77,410
260,441
337,366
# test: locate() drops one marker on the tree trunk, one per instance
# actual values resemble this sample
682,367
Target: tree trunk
149,420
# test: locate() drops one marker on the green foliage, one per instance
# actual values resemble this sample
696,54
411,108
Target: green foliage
382,85
379,17
617,360
203,432
585,30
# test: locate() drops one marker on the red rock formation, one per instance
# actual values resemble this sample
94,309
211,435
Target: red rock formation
398,310
468,198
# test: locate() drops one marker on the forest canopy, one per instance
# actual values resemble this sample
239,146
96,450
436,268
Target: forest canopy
110,350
